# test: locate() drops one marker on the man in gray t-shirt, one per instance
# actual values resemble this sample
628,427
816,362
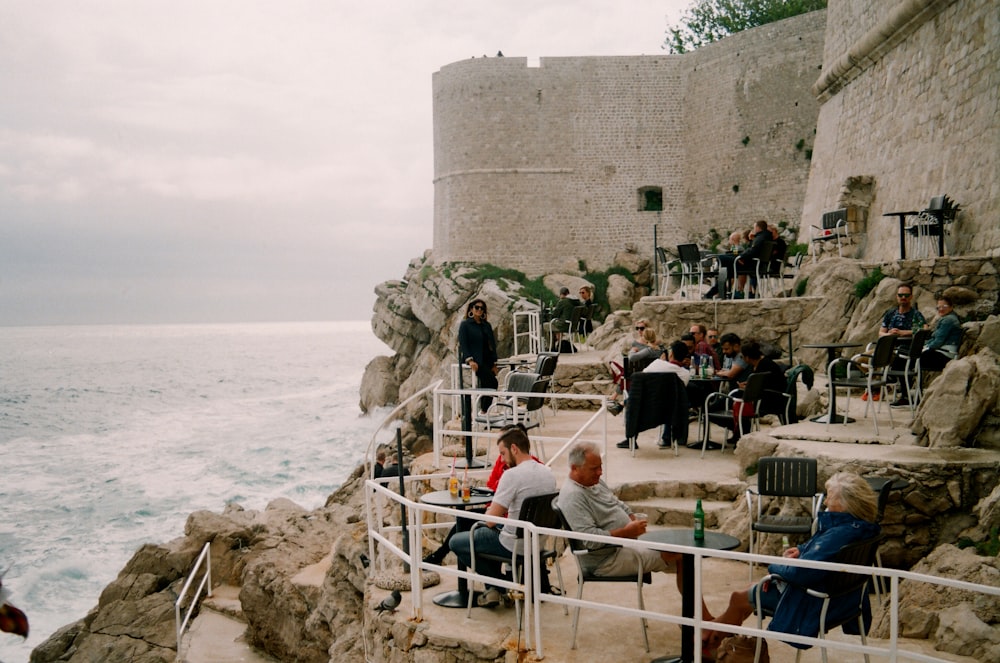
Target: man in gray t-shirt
524,478
590,507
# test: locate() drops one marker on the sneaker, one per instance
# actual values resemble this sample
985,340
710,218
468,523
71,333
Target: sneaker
877,396
902,401
624,445
489,599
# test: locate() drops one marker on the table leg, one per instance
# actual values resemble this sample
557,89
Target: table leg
456,598
687,610
832,416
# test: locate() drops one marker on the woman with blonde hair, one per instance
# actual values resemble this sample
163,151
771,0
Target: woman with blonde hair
851,510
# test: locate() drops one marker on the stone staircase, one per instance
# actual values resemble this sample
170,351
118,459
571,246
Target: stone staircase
217,634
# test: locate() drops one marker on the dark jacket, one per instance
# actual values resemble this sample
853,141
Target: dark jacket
797,612
771,403
753,251
476,342
656,399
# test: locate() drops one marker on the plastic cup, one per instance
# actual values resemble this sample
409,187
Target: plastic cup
641,516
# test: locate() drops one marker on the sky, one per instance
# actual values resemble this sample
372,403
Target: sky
241,161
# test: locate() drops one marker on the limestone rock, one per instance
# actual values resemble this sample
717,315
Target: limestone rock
620,292
572,281
834,280
379,386
961,622
967,389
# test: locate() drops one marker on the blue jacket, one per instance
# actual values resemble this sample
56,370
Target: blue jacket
797,612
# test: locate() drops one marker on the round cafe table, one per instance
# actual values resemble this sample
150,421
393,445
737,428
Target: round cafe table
458,598
685,537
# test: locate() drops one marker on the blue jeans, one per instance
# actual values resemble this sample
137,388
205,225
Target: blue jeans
487,541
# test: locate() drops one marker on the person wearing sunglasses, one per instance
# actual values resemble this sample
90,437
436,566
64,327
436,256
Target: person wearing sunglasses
903,319
477,347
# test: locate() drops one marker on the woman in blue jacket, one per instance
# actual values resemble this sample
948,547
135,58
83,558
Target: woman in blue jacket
852,508
944,342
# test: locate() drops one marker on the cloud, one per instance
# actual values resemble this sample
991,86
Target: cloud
164,160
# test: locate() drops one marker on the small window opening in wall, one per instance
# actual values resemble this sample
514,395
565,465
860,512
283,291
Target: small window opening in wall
651,199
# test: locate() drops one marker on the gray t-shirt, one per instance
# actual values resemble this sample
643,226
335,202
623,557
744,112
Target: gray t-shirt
526,479
593,510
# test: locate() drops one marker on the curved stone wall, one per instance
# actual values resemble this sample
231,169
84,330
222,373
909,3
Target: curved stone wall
534,165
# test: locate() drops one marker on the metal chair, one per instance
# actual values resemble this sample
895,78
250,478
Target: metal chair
506,408
692,272
783,477
855,377
582,577
750,396
883,487
852,587
910,373
538,511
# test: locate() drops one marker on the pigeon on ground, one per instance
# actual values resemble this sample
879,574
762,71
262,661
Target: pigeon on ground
390,603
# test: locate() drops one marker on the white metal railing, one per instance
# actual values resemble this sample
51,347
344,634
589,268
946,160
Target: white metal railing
415,521
206,582
378,497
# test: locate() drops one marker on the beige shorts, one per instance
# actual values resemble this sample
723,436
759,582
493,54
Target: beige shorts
628,561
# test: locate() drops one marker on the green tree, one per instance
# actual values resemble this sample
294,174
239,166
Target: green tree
710,20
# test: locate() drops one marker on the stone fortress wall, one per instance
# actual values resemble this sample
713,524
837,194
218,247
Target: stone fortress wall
537,164
894,102
910,94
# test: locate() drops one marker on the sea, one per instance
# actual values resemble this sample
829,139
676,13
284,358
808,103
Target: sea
111,435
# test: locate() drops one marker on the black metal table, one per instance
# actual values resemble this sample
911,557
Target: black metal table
831,354
685,537
458,598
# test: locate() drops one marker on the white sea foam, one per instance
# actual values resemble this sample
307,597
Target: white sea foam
111,435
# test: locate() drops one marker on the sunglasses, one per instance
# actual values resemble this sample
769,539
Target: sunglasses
903,295
713,336
477,307
640,329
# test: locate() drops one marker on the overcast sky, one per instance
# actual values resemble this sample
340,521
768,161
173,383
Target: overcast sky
241,161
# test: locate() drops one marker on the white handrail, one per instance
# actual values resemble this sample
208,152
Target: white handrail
390,417
206,581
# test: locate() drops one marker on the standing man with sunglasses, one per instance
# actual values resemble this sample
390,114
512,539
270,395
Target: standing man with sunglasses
903,320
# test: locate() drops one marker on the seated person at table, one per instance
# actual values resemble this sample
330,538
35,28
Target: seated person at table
671,361
524,479
590,507
745,261
646,349
943,344
688,340
772,401
561,314
851,509
701,346
392,469
727,261
714,342
734,366
587,300
499,467
903,319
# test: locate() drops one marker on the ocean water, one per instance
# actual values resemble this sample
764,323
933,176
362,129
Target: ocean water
111,435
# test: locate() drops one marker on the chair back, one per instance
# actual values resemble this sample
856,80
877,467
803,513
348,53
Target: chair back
882,356
786,477
754,390
575,545
917,343
540,511
859,553
521,382
689,254
545,364
539,386
579,312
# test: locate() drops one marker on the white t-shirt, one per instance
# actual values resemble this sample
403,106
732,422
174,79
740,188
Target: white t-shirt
663,366
526,479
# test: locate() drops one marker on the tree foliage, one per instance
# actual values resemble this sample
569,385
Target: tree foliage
710,20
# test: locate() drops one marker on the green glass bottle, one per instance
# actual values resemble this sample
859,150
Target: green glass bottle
699,522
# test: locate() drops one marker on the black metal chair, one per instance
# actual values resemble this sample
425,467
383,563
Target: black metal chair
848,586
883,487
873,378
692,271
582,576
783,477
509,409
910,375
538,511
751,396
